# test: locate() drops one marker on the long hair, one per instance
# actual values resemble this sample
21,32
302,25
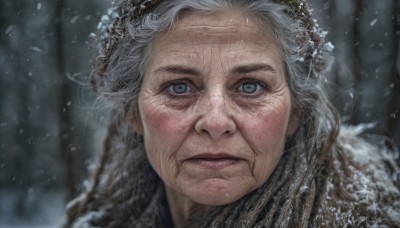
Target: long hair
123,45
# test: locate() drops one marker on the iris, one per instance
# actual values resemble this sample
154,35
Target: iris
179,88
249,87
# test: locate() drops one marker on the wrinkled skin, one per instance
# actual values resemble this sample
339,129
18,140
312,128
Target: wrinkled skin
215,109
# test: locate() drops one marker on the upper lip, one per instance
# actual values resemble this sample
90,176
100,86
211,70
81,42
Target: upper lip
214,156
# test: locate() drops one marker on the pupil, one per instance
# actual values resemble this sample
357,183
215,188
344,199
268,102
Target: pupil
249,87
180,88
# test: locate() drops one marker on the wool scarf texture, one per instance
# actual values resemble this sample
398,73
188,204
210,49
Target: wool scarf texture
357,185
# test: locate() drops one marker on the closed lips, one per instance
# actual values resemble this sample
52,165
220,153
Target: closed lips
209,156
214,161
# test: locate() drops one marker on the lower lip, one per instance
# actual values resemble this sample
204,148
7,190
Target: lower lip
214,163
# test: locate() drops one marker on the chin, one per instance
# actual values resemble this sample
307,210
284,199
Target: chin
217,192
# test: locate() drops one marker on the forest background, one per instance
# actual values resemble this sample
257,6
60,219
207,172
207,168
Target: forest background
51,126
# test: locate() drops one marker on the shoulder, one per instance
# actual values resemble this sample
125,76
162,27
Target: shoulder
372,160
362,180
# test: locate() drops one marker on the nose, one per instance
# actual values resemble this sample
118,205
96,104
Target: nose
215,118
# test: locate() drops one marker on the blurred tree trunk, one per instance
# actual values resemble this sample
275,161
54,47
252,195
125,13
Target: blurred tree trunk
335,92
22,137
3,45
393,109
65,125
17,77
356,61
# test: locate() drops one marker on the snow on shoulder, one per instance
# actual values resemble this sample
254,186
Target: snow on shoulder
371,176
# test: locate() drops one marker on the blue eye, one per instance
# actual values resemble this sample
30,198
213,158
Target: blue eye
179,88
249,87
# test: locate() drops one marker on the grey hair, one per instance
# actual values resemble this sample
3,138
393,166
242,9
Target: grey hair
126,66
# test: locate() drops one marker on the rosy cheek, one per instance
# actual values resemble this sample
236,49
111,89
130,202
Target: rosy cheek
164,124
158,133
269,127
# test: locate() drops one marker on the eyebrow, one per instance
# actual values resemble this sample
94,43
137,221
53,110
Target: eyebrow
177,69
251,68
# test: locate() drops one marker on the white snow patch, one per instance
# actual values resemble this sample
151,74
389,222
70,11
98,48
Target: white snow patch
36,49
371,182
356,130
74,19
394,215
329,46
105,18
99,26
303,189
373,22
9,29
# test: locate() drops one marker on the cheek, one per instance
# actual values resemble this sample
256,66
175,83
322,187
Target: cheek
162,124
269,127
164,132
267,136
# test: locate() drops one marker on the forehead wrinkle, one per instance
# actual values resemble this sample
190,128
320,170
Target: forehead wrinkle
206,54
262,55
240,55
221,61
210,28
238,58
224,57
221,38
234,30
222,16
200,56
227,63
185,38
174,58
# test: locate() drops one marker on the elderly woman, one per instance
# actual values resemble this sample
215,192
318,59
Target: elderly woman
219,120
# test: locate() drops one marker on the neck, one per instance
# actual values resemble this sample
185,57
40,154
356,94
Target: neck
181,207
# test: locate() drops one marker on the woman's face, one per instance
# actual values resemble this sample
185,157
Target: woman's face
215,108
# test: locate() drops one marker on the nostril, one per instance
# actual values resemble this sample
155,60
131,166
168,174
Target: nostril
204,131
215,130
